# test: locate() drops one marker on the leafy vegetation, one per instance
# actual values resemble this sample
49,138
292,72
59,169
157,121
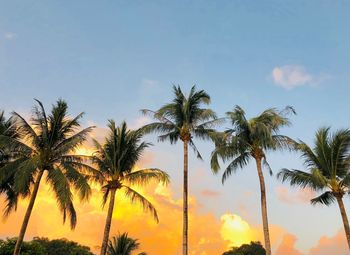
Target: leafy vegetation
254,248
44,246
123,245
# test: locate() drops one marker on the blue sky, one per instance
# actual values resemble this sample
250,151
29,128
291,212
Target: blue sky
112,58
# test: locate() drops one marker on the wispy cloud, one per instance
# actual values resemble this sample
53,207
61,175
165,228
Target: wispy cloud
210,193
10,35
292,76
297,197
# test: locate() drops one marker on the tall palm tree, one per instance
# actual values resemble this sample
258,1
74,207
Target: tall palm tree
116,160
183,119
8,129
327,169
46,145
123,245
251,139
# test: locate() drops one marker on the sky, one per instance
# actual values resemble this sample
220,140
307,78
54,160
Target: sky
112,58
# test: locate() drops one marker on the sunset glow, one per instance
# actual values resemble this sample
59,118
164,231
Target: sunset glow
240,108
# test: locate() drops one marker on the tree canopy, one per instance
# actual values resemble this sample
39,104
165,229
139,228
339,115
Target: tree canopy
44,246
254,248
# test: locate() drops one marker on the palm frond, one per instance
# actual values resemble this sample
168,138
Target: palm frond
302,179
144,176
326,198
134,196
63,194
239,162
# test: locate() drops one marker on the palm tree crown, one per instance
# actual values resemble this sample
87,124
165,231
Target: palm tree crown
123,245
250,138
47,144
116,160
327,164
184,118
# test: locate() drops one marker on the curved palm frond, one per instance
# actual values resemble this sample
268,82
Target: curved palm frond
239,162
326,198
134,196
144,176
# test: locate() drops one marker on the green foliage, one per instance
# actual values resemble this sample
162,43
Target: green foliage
62,246
8,129
47,144
184,118
43,246
116,160
123,245
250,138
254,248
327,166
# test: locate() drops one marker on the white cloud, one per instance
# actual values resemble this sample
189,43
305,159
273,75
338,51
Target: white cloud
10,35
149,84
291,76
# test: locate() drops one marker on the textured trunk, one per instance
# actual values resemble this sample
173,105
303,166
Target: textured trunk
345,218
108,223
185,203
264,207
27,215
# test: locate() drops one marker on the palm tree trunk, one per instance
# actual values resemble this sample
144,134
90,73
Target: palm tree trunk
185,202
27,215
264,207
108,223
344,217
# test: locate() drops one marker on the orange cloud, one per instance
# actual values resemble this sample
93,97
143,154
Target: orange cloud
287,246
295,197
331,245
208,234
165,237
210,193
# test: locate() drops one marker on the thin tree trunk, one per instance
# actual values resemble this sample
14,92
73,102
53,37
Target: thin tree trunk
264,208
185,202
345,218
108,223
27,215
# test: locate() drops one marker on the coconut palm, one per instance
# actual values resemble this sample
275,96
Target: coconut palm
116,160
327,170
251,139
46,145
183,119
123,245
7,128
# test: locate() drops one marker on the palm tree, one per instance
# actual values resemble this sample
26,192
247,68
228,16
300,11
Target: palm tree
116,160
328,165
123,245
46,145
184,119
251,139
8,129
